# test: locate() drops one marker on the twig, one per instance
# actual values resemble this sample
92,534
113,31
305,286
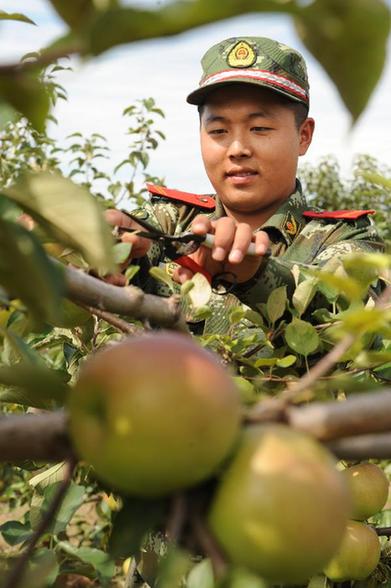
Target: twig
209,546
278,405
46,58
113,320
127,301
19,569
176,517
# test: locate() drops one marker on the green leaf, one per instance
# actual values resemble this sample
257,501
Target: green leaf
162,276
32,385
336,283
349,39
15,532
28,95
42,571
202,291
130,272
201,576
246,389
302,337
242,578
276,304
27,273
69,213
286,361
121,252
15,16
96,558
173,568
131,524
75,13
303,294
48,477
41,502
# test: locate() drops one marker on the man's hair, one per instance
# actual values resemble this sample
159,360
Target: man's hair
299,109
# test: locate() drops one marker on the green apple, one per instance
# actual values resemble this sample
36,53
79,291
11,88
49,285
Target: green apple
358,554
154,413
369,488
282,506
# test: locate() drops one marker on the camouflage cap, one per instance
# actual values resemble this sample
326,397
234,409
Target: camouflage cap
253,60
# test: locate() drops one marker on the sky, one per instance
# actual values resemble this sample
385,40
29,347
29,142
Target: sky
168,69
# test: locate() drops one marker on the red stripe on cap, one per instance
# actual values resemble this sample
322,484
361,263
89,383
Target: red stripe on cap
338,214
200,200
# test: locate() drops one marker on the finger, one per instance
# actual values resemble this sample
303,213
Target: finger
262,242
241,242
224,230
182,275
201,225
140,246
119,219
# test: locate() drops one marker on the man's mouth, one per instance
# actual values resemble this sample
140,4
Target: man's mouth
240,175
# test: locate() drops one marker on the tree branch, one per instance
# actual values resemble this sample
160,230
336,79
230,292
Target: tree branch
362,418
114,320
376,446
40,437
357,415
127,301
19,569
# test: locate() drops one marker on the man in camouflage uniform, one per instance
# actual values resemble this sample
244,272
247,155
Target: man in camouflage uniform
253,102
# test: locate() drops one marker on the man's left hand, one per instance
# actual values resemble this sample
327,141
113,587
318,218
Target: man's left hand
228,254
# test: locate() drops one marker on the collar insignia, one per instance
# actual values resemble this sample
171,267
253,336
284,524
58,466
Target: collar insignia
241,55
290,225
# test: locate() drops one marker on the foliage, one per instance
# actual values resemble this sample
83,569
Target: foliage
369,187
63,188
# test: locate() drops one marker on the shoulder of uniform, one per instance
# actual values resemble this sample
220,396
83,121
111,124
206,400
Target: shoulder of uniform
204,201
337,214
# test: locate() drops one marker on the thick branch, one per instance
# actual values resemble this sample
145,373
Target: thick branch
128,301
40,437
44,437
357,415
376,446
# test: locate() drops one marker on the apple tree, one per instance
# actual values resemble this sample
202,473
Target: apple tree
309,384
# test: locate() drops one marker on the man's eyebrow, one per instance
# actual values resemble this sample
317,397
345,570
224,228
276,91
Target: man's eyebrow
211,118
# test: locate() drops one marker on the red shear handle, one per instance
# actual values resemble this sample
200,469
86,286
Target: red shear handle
195,267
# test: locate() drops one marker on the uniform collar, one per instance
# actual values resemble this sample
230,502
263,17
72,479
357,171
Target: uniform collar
287,221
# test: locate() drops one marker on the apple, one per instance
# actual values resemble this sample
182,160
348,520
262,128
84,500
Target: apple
358,554
369,488
281,507
154,413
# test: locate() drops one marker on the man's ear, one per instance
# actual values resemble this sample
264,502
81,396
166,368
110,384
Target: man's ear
306,132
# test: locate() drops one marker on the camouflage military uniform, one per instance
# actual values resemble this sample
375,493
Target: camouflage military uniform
299,235
296,234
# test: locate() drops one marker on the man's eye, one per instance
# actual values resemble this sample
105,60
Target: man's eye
216,131
260,129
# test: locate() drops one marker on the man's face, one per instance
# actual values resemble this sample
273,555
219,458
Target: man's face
250,146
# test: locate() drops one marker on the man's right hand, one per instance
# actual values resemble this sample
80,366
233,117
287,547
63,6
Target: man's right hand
140,246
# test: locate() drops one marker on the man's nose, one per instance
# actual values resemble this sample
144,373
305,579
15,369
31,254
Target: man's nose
239,148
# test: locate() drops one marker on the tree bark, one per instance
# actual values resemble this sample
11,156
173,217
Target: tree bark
363,421
128,301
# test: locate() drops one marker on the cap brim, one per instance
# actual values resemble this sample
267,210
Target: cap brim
198,97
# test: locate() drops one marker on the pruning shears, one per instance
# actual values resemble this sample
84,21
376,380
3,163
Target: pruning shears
178,247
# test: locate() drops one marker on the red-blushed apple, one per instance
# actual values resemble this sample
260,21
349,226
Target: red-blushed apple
154,414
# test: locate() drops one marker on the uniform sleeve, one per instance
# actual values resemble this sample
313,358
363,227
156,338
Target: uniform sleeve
278,271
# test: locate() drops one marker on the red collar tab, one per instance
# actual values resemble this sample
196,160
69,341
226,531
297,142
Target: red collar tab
200,200
338,214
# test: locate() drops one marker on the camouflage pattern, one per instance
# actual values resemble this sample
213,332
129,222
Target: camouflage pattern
295,241
254,60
